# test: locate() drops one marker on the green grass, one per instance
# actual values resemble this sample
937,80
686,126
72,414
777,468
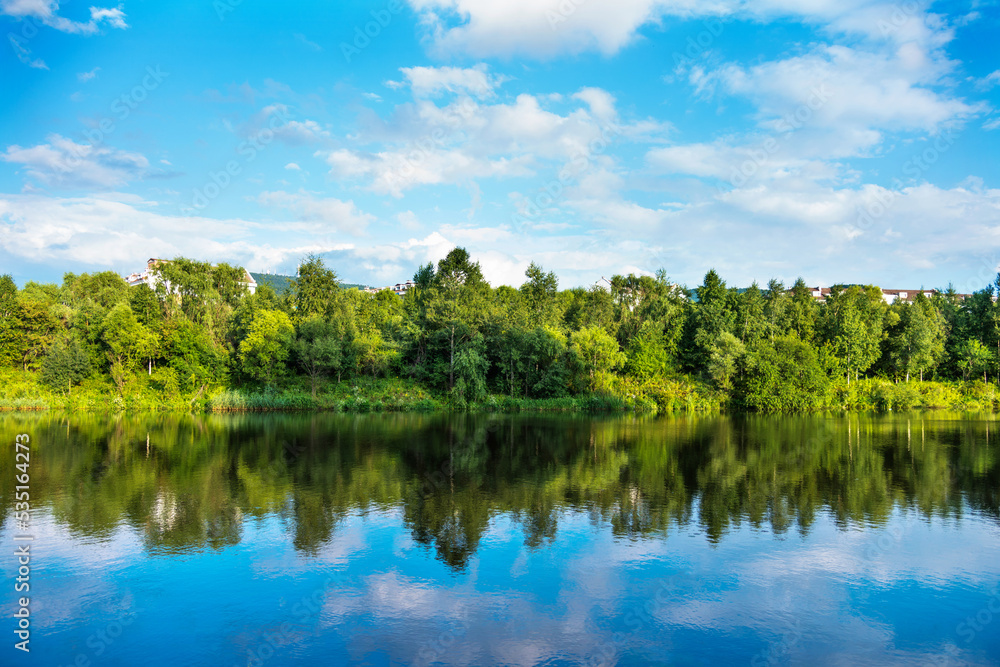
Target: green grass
876,394
23,391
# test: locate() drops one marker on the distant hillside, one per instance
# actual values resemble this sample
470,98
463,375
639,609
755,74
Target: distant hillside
280,284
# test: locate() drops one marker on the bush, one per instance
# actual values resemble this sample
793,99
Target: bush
785,376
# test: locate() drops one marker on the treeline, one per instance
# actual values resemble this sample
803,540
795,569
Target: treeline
640,338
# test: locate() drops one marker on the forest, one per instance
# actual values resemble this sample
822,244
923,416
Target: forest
199,340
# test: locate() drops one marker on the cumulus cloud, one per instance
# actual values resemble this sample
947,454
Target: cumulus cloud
122,230
46,11
431,81
842,88
275,121
64,163
427,144
546,28
334,213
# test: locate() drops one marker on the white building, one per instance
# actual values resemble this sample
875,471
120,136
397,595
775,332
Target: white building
150,278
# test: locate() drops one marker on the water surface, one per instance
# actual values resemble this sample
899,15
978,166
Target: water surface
521,540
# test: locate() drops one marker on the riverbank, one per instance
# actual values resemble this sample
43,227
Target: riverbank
23,391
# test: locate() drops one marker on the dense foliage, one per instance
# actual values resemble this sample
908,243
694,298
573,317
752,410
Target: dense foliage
638,340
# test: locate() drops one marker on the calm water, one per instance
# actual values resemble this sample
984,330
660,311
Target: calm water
479,540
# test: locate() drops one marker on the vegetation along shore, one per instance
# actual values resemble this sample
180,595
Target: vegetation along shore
194,337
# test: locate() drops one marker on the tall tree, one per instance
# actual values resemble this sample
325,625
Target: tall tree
128,343
854,326
66,363
803,311
539,293
10,323
598,355
262,354
916,342
315,288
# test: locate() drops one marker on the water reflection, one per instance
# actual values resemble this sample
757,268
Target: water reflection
193,482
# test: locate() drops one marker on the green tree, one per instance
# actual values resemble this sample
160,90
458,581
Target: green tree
315,288
783,376
37,327
471,365
646,354
146,306
725,355
854,326
598,354
317,350
777,309
456,305
712,315
192,355
264,351
65,363
974,358
751,323
128,343
372,353
802,311
10,323
916,341
539,294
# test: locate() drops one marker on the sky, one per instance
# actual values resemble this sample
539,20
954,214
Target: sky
843,141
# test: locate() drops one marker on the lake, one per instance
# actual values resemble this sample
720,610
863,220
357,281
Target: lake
329,539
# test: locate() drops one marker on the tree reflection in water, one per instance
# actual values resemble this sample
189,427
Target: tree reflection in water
203,477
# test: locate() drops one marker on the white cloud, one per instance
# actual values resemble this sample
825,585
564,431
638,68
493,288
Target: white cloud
46,12
64,163
120,230
275,119
83,77
304,41
546,28
114,17
393,172
990,80
426,144
408,220
841,87
432,81
334,213
601,102
23,53
293,167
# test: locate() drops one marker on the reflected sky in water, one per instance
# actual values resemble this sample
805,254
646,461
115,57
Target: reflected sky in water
470,540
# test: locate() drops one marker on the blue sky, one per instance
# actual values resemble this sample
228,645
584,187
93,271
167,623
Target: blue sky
837,140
